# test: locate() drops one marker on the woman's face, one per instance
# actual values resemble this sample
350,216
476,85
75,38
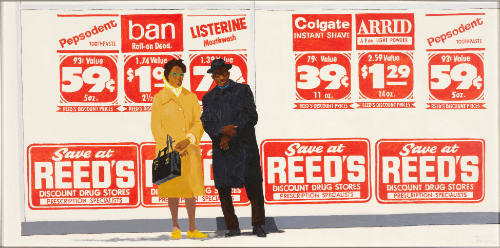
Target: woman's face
175,76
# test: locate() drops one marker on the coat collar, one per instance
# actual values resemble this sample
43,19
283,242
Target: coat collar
230,85
167,95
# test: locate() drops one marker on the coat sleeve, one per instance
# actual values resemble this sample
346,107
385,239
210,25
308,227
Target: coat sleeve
158,134
211,125
196,127
248,116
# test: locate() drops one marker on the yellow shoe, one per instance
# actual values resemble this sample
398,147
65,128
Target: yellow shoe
176,234
196,234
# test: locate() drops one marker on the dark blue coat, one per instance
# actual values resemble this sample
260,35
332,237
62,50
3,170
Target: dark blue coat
240,165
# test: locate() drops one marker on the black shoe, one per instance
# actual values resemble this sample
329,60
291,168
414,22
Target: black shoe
259,231
233,232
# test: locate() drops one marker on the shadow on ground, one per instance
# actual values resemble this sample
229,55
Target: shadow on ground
166,237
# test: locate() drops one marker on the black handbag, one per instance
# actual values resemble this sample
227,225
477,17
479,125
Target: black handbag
167,165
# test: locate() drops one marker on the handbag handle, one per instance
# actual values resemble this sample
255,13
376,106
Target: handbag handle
169,146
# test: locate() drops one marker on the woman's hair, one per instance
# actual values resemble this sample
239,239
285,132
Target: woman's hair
170,64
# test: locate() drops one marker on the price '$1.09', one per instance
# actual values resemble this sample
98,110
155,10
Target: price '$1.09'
88,79
323,76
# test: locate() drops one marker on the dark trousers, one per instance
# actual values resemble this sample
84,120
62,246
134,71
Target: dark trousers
256,197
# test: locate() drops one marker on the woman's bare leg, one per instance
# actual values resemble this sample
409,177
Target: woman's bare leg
173,205
191,210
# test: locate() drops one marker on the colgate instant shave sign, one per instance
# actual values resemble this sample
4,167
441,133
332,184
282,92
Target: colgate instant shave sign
88,33
316,171
385,31
62,176
455,47
143,76
152,33
202,82
433,170
322,32
88,83
323,80
150,197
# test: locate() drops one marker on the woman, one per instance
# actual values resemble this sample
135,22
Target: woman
176,112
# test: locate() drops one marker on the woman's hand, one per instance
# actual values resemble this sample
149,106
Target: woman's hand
180,146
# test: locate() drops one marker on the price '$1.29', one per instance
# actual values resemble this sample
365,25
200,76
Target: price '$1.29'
322,76
456,76
385,75
88,79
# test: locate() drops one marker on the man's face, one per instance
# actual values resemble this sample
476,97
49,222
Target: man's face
221,76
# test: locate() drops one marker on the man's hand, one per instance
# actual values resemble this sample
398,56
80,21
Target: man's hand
229,130
180,146
224,143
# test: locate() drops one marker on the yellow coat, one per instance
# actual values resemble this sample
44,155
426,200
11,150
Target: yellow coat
178,116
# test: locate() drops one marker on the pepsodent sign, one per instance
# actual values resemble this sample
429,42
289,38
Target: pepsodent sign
435,170
83,176
316,171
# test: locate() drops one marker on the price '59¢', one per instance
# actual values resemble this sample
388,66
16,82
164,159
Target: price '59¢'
88,78
322,76
456,76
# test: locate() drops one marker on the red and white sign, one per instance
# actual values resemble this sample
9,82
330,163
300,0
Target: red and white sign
150,197
88,80
385,31
96,33
323,76
322,32
202,82
432,170
143,75
456,76
316,171
217,32
152,33
385,75
66,176
455,31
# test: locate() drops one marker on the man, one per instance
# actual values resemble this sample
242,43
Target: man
229,116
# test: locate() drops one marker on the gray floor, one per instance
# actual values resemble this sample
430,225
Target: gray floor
273,224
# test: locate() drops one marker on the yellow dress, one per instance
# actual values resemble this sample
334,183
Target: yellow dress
179,117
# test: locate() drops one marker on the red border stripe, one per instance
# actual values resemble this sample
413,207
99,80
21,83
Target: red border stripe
217,50
454,14
86,15
219,15
88,51
460,49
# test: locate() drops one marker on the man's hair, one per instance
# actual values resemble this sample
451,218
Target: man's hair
170,64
